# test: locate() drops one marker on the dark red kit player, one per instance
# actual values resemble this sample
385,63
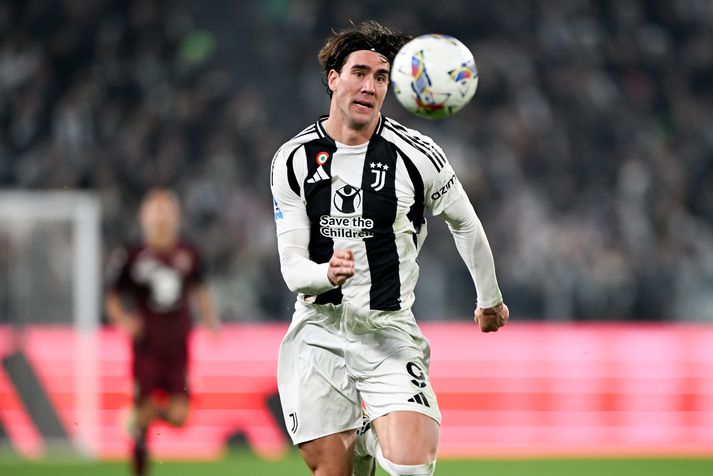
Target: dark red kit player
152,289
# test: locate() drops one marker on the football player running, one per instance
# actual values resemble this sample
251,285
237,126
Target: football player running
350,194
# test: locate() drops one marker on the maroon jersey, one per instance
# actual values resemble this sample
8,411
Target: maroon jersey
159,284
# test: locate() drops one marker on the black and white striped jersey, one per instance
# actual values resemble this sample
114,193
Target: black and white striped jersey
369,198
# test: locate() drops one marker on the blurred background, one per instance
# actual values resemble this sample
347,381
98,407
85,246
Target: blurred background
587,151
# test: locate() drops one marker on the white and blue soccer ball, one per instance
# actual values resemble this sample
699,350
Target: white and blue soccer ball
434,76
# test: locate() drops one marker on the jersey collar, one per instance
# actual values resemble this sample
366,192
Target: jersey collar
322,132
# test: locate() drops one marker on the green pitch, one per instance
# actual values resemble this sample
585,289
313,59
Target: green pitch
245,463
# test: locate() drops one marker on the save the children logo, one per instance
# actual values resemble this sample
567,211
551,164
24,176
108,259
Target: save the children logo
356,228
347,199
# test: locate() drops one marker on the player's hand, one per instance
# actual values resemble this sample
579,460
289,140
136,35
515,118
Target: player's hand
341,267
491,319
133,326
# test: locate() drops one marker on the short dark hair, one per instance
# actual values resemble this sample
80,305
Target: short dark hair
367,35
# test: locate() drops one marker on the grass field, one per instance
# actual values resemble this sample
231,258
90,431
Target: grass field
245,463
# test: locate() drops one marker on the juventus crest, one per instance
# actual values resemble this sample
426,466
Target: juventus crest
379,171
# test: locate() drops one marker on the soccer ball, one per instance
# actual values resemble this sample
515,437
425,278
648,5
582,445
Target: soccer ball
434,76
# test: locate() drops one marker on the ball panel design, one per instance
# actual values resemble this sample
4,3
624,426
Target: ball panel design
434,76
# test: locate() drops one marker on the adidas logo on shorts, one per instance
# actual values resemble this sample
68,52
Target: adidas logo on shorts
419,398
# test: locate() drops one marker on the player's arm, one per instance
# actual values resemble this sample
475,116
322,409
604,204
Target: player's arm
303,275
472,244
120,316
444,196
119,280
204,305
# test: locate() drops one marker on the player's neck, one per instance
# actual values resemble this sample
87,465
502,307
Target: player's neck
161,243
342,131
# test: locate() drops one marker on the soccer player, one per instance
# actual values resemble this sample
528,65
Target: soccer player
152,288
350,194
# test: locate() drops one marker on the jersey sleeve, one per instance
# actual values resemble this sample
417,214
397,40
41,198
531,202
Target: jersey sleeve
288,205
293,227
444,196
118,271
300,273
474,249
440,185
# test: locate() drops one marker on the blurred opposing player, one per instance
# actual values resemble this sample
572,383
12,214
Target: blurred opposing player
151,290
350,192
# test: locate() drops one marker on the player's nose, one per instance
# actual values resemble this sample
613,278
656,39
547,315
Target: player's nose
368,85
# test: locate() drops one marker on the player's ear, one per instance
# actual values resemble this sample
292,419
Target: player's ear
332,79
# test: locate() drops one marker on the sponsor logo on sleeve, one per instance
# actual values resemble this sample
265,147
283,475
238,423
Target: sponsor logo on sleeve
444,189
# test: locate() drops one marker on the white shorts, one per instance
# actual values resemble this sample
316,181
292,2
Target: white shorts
331,361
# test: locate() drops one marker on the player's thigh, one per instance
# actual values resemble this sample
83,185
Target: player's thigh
392,372
174,376
407,437
330,455
317,394
146,372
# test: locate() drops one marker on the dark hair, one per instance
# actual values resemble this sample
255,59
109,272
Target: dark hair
368,35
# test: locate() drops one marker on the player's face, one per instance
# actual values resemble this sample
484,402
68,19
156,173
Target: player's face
358,92
160,218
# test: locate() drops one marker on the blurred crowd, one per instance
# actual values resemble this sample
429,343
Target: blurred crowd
587,150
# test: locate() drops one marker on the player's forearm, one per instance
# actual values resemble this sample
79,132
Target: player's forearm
473,246
205,306
115,311
301,274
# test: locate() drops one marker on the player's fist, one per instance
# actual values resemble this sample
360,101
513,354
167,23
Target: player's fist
493,318
341,267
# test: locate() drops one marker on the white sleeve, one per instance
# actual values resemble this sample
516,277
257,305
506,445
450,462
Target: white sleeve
292,224
474,248
288,205
444,196
301,274
441,188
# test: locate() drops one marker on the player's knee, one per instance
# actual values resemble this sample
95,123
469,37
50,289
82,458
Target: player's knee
176,415
177,418
394,469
